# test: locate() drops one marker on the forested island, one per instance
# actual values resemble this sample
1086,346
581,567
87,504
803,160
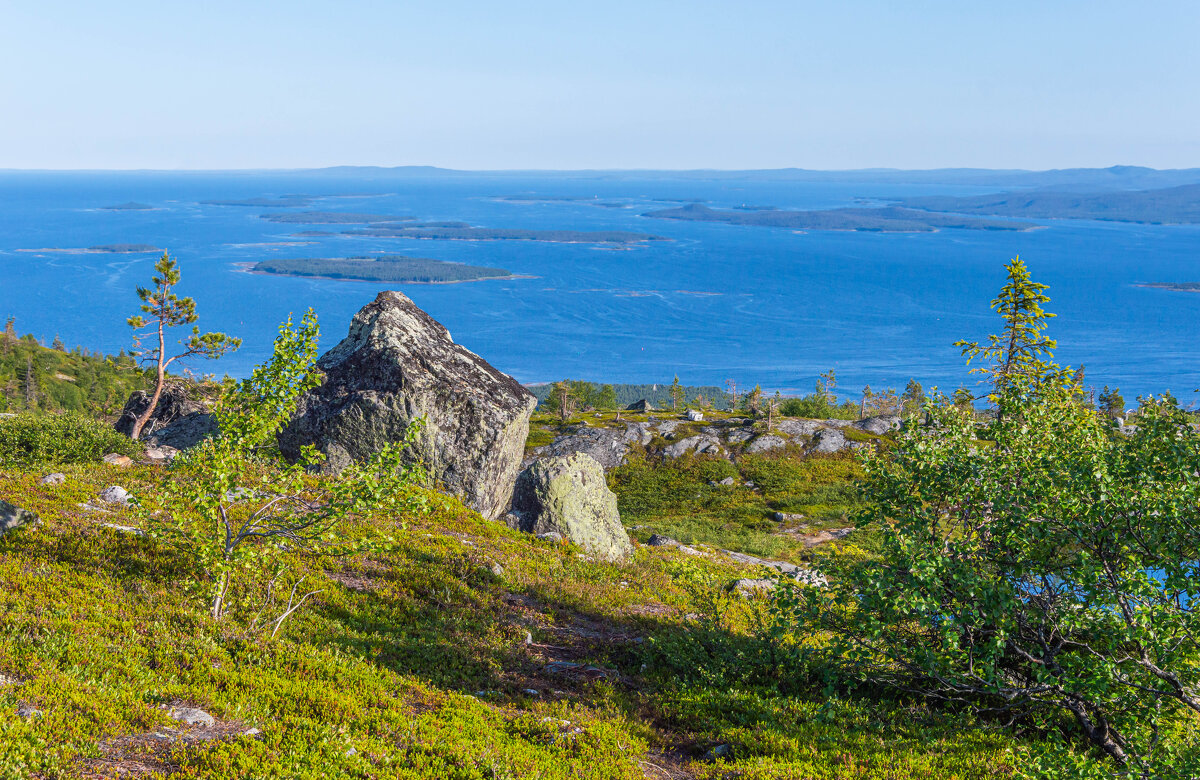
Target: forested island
384,268
331,218
129,206
887,219
1172,205
507,234
1175,286
123,249
283,201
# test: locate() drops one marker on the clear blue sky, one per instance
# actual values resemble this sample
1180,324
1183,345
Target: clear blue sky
611,84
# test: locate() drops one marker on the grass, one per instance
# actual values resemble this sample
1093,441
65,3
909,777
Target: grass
418,662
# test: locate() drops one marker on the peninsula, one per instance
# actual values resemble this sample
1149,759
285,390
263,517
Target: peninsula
460,233
1171,205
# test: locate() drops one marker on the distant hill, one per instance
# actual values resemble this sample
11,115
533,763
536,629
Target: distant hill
1174,205
883,220
50,379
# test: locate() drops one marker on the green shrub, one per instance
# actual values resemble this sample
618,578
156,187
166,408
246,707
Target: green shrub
71,437
818,407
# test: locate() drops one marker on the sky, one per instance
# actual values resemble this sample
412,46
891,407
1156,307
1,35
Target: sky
662,84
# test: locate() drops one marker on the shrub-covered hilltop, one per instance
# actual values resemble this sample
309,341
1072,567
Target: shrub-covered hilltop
943,594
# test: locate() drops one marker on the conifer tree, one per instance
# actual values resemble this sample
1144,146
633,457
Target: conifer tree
676,393
167,310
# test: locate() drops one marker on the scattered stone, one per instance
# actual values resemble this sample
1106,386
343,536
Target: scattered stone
120,461
719,751
29,713
532,692
740,436
550,536
798,428
115,494
160,454
766,443
667,429
823,537
350,752
528,638
53,479
750,484
829,440
13,516
699,445
749,588
695,416
497,570
727,482
192,716
569,495
879,424
640,406
787,517
251,732
656,540
396,365
125,529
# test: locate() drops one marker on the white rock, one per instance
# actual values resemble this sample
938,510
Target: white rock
192,716
54,479
115,494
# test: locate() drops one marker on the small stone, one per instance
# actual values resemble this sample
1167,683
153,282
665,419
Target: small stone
750,485
13,516
497,570
532,692
550,536
657,540
748,588
193,716
125,529
727,482
251,732
161,453
115,459
695,416
719,751
350,752
29,713
54,479
528,638
115,494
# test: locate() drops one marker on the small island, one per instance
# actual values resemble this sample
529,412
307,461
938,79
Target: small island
283,201
124,249
393,269
331,218
1174,286
129,206
887,219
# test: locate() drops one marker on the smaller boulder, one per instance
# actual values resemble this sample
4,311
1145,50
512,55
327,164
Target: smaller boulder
118,460
727,482
115,494
766,443
53,479
13,516
192,716
879,424
699,445
695,416
657,540
568,495
640,406
829,440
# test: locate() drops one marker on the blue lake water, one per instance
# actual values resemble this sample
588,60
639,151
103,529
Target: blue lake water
761,305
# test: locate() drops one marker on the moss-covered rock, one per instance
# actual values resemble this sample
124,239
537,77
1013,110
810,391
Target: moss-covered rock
569,495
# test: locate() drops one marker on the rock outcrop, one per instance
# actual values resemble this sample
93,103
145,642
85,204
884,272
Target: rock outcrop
396,365
569,495
179,421
609,446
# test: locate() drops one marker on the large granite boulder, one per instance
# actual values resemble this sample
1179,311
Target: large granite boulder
179,420
398,364
568,495
609,446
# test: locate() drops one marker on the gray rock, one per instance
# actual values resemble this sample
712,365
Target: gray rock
656,540
668,428
695,416
798,428
163,453
192,716
174,404
398,364
118,460
13,516
29,713
880,424
569,495
640,406
115,494
749,588
740,436
608,446
719,751
699,445
786,517
727,482
53,479
766,443
829,440
184,433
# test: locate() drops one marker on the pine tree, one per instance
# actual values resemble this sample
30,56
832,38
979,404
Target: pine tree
31,384
1111,402
676,393
58,344
867,395
913,398
167,310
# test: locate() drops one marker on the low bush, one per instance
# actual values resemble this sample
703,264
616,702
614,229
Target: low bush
71,437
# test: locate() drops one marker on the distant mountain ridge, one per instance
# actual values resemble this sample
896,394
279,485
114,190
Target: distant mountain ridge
1173,205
